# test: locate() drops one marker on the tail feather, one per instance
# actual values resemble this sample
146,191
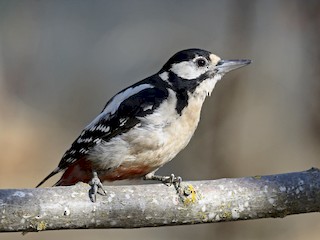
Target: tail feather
54,172
79,171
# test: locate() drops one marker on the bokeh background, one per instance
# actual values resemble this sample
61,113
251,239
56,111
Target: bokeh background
60,61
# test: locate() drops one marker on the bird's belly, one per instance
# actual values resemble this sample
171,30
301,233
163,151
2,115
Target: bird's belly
148,152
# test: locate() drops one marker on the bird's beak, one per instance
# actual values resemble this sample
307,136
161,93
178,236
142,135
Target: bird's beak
224,66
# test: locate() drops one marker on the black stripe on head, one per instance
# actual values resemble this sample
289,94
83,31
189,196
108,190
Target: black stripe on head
185,55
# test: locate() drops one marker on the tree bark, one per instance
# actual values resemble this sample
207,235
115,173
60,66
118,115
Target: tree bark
154,205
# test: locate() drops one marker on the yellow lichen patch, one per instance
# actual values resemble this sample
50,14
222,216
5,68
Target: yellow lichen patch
226,215
203,217
190,194
257,177
41,226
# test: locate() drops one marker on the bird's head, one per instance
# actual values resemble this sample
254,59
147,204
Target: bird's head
189,68
193,63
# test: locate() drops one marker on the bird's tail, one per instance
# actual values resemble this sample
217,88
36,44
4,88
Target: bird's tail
54,172
81,171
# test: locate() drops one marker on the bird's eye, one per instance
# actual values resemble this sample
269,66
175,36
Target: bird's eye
201,62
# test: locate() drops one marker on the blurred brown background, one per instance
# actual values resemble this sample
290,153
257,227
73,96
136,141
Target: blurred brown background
60,61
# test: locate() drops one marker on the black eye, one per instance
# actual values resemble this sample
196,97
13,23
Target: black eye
201,62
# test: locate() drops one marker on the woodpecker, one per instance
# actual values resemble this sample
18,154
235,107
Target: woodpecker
146,124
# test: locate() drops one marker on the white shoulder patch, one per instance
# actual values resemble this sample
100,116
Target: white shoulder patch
120,97
164,76
112,107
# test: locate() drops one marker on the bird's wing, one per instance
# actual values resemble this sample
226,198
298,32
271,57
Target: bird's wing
120,114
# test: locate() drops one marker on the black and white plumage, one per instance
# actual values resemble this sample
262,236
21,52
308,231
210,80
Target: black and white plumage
145,125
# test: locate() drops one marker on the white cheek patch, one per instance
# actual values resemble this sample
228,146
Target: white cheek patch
113,106
187,70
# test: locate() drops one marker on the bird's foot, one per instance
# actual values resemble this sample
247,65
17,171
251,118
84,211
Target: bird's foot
96,187
167,180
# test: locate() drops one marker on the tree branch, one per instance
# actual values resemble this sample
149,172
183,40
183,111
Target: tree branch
154,205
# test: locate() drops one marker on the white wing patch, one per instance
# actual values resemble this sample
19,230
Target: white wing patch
120,97
112,107
103,128
85,140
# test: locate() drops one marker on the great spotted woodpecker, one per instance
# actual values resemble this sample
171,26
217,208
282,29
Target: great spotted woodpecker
145,125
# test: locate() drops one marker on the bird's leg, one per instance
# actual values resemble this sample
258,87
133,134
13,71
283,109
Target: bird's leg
167,180
96,185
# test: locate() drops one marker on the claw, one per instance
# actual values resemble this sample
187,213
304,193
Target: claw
178,183
96,185
172,178
167,180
